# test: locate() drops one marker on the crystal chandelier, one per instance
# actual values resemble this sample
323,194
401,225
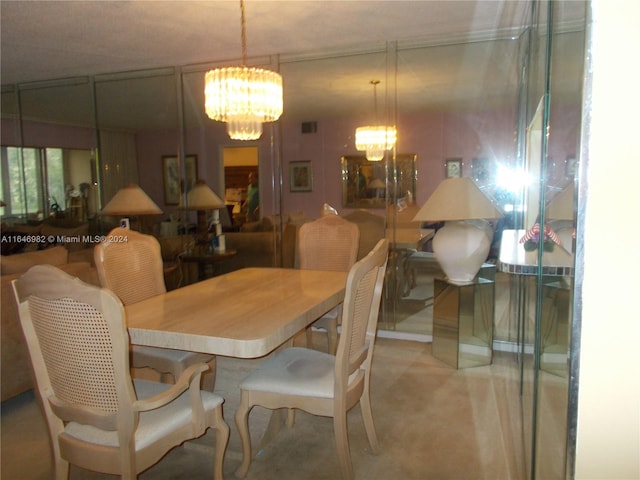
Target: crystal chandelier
375,139
243,97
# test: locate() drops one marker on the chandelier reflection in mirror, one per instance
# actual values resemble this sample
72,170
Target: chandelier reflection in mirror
375,139
243,97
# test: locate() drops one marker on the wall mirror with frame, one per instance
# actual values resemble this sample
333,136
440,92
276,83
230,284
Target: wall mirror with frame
366,184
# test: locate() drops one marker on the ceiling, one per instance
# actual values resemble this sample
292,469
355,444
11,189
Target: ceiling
45,40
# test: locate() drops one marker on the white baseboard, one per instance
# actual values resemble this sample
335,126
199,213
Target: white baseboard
498,345
415,337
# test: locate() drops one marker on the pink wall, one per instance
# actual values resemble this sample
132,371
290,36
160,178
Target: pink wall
207,144
434,137
36,134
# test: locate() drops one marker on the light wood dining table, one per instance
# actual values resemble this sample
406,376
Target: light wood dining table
247,313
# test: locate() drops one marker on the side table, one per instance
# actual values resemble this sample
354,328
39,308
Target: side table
463,322
205,259
557,271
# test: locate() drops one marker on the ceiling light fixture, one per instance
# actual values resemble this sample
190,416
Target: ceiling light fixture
375,139
243,97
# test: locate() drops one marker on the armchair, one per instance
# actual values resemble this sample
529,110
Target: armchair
318,382
98,418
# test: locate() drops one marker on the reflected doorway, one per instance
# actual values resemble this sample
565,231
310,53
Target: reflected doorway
239,163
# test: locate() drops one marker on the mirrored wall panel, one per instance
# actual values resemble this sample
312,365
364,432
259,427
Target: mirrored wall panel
497,107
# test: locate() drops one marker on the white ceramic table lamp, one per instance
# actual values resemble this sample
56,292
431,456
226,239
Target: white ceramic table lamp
462,245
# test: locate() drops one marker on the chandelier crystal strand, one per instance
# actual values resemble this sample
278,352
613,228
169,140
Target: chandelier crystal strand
375,139
243,97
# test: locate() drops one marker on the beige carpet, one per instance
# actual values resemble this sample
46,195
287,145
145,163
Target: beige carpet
433,422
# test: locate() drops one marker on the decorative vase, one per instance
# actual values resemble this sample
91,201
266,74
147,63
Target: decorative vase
461,248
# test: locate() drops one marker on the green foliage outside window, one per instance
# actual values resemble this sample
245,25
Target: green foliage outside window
29,175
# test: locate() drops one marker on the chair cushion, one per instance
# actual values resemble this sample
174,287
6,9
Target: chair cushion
154,424
294,371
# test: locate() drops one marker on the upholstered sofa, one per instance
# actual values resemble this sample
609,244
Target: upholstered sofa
15,367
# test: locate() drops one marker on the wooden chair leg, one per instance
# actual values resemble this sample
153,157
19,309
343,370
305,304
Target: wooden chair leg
332,333
342,444
128,475
367,417
209,378
309,337
222,439
291,417
62,469
242,424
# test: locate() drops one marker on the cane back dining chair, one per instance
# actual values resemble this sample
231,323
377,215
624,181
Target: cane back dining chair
318,382
129,264
328,243
97,416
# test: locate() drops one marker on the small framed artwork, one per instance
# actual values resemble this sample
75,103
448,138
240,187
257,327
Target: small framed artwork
300,177
453,167
173,185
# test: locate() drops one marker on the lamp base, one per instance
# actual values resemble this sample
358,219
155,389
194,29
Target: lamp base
461,248
202,228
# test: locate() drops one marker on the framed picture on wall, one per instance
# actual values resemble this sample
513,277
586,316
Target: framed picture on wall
300,176
364,183
173,185
453,167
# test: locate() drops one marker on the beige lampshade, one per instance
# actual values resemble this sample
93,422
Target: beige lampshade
201,197
560,207
131,200
457,199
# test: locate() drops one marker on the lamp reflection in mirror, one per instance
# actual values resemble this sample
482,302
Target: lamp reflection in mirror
201,198
378,186
243,97
561,207
130,201
462,245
